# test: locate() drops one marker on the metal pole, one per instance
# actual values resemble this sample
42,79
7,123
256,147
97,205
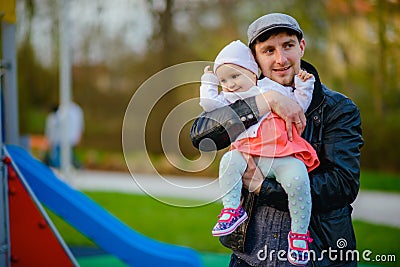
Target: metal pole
10,84
65,87
9,129
4,218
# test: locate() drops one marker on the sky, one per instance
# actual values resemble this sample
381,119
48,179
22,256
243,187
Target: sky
129,19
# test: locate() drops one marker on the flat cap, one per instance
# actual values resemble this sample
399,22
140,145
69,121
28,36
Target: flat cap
269,22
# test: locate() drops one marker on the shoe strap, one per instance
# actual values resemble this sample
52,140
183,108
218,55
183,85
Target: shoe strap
232,212
296,236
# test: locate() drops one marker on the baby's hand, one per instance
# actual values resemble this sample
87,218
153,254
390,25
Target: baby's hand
304,75
207,70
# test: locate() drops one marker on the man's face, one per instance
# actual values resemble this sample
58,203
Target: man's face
279,57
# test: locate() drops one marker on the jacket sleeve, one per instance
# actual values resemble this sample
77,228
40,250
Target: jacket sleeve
335,183
217,129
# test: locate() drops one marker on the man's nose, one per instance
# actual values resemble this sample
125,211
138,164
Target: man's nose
280,57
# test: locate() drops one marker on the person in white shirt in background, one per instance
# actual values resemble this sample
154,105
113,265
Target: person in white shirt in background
53,133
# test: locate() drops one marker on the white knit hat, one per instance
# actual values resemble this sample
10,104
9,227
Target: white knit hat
239,54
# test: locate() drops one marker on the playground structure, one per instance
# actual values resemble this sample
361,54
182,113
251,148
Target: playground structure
29,179
27,235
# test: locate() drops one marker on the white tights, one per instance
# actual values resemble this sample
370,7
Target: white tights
290,172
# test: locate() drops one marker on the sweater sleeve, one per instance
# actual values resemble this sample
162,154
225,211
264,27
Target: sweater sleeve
209,97
303,92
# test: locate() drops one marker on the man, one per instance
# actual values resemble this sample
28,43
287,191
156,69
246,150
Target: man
332,125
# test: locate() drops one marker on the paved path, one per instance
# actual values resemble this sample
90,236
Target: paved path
371,206
378,207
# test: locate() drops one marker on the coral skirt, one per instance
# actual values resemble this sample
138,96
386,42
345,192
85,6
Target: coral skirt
272,142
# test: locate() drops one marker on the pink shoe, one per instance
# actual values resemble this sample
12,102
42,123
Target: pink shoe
296,255
225,227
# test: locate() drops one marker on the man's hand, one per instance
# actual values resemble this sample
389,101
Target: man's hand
252,177
284,107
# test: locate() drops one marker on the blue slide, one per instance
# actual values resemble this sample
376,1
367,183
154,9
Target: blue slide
95,222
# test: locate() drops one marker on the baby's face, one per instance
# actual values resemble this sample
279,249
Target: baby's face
234,78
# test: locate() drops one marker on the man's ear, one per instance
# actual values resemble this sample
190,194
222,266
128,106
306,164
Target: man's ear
302,46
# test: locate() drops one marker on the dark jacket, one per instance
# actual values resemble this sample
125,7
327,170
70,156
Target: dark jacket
334,130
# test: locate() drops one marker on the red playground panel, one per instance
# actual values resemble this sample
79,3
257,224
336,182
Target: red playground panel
33,240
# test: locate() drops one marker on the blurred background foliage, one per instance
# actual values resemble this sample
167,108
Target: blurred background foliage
117,45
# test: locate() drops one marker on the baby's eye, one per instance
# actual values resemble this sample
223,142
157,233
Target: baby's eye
222,81
234,76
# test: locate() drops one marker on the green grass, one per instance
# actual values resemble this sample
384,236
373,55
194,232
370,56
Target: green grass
372,180
382,241
183,226
192,226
